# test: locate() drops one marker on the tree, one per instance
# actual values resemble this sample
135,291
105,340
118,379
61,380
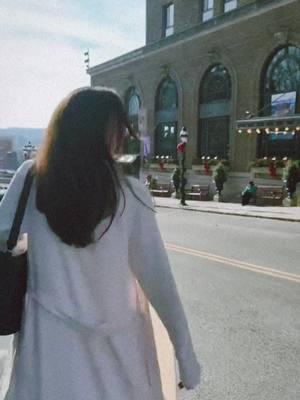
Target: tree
220,177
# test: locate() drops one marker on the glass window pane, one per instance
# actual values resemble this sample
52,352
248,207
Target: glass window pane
216,85
166,140
230,5
282,75
170,15
207,15
167,95
133,105
169,31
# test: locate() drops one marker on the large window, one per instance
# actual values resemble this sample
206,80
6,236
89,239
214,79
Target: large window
133,103
166,118
280,97
168,20
214,113
207,9
281,77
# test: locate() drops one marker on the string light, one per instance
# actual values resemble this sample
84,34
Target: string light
276,129
240,131
287,128
249,130
267,130
297,128
258,131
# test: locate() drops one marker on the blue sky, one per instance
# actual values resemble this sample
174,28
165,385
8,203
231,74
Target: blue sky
42,44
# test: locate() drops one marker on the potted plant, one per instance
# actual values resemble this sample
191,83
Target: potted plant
292,178
267,168
220,177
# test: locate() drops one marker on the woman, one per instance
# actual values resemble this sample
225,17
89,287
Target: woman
92,242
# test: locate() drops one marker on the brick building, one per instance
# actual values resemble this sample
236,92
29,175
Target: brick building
229,70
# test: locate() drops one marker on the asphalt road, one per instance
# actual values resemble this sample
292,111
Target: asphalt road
239,280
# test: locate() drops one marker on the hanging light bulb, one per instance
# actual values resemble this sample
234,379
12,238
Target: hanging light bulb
249,130
287,129
267,130
240,131
258,131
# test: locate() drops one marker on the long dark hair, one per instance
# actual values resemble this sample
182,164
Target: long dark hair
77,181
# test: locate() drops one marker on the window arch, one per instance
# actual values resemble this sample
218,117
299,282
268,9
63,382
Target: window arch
214,113
133,105
167,95
280,97
166,115
281,75
133,102
216,84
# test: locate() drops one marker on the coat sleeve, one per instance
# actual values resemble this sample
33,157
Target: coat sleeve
149,262
10,200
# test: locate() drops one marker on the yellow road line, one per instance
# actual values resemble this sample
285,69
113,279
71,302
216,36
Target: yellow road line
235,263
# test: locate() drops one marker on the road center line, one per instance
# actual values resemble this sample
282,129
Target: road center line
235,263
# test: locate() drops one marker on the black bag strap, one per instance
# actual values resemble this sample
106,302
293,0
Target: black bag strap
16,225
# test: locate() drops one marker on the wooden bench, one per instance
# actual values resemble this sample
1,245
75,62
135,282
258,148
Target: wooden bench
198,192
269,196
162,190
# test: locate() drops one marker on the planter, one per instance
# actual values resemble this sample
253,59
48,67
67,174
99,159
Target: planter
264,173
218,197
200,170
166,167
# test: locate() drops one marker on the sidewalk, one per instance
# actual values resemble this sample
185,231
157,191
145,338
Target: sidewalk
278,213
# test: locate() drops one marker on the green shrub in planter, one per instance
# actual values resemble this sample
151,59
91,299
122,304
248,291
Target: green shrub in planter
292,178
220,177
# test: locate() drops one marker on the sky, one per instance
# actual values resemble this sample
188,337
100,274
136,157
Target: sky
42,46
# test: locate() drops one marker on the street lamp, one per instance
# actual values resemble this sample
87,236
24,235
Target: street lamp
29,151
181,147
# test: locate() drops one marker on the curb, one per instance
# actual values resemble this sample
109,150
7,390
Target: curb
237,214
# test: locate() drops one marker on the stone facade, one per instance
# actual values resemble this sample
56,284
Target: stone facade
241,40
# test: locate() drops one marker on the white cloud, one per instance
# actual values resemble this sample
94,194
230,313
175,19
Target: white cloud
42,53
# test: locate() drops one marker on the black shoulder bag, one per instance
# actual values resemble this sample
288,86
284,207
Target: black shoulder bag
13,271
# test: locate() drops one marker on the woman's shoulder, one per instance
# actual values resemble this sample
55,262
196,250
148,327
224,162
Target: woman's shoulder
24,167
137,191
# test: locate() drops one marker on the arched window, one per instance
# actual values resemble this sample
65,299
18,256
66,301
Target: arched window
214,113
280,97
133,104
166,115
167,98
281,81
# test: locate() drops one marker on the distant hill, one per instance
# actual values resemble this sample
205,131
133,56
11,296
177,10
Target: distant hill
22,136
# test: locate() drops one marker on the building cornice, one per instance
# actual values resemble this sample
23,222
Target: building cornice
199,30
